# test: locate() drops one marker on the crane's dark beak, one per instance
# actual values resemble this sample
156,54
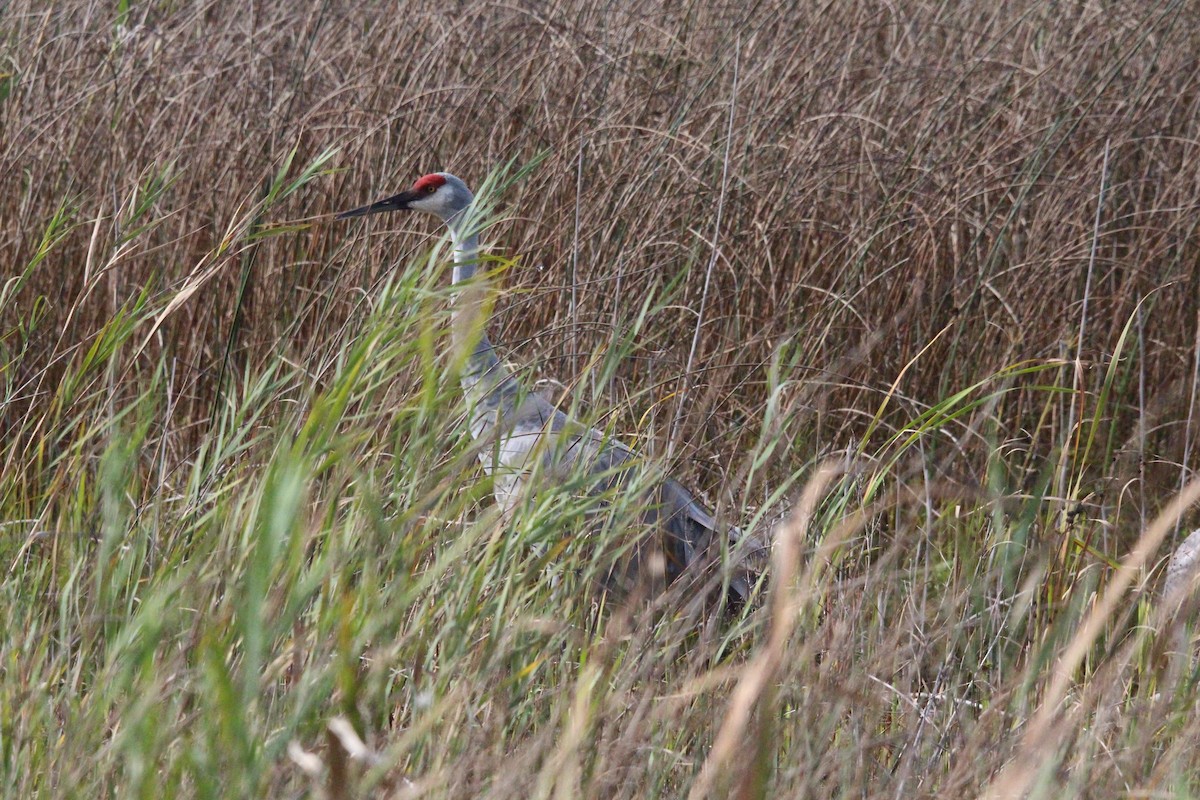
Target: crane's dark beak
396,203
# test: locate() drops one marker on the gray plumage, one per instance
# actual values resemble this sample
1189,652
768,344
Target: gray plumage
518,431
1183,564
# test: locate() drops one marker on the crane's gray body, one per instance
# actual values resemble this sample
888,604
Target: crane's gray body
520,433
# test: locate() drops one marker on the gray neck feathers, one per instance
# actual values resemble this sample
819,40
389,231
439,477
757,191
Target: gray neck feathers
486,383
466,255
464,232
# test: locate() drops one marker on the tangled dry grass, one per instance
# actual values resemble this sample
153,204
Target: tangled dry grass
949,248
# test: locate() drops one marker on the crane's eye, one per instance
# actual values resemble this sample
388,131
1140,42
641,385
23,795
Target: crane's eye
430,189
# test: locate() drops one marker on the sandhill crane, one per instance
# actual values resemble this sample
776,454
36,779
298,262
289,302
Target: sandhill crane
514,427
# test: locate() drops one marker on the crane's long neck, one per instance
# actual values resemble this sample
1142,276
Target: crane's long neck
466,253
488,386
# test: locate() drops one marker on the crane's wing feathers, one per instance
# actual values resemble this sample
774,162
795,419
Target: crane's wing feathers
534,428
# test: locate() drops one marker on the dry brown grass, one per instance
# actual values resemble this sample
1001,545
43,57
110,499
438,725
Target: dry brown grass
896,172
917,197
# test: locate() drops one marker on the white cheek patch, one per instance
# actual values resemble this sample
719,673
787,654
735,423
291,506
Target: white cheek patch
441,203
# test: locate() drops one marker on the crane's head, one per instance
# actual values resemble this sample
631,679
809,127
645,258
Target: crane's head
438,193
